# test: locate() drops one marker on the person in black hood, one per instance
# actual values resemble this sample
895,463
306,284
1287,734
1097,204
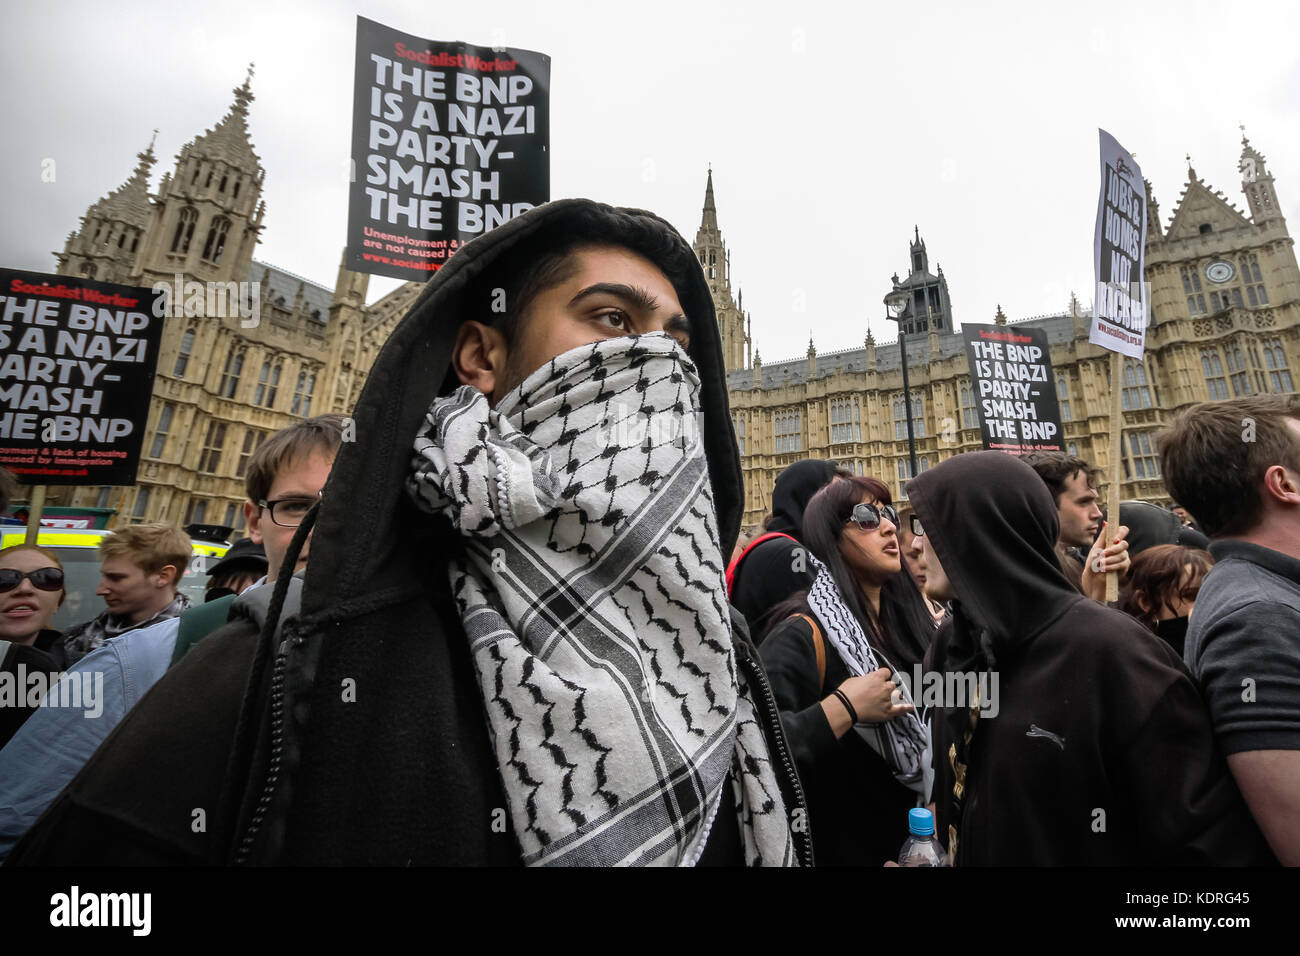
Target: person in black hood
775,565
1098,748
528,641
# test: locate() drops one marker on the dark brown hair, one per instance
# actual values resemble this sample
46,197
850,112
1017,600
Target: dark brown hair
1157,574
1056,469
1214,455
324,433
904,627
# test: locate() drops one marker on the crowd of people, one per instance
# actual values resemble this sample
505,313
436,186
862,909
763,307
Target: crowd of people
521,640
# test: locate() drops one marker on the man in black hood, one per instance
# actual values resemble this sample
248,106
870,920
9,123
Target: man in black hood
513,642
771,570
1098,749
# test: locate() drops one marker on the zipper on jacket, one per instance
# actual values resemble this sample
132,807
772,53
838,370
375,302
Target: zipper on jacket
803,838
272,777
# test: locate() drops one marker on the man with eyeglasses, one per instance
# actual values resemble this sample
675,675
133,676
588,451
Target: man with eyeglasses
285,477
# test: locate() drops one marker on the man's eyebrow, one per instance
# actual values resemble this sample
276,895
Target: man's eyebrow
639,297
634,294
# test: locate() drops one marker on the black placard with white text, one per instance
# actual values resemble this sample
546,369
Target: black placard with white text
1014,388
75,378
448,141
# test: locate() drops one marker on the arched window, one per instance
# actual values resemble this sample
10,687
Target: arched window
88,268
183,357
184,230
208,182
235,193
216,241
135,241
197,170
230,375
221,186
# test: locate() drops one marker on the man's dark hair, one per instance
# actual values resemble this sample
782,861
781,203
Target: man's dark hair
323,433
1214,455
1056,469
502,295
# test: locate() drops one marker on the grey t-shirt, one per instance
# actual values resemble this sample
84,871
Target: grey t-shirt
1243,647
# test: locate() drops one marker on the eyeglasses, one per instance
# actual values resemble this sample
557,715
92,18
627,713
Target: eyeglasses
916,526
867,517
47,579
289,512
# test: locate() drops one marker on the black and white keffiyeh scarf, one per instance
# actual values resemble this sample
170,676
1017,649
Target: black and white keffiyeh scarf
904,741
593,597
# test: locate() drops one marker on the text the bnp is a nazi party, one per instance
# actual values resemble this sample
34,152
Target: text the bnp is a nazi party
449,120
1122,250
52,379
1011,377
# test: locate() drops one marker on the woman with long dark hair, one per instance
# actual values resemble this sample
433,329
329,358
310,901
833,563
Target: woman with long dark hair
832,654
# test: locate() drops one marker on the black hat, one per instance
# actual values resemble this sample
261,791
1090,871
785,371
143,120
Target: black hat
243,551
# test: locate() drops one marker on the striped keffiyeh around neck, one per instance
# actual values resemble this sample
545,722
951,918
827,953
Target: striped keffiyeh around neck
593,598
903,742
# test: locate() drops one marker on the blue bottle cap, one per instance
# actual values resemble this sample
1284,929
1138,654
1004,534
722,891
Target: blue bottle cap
920,822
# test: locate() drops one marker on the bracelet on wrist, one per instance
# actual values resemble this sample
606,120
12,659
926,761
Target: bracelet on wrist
844,699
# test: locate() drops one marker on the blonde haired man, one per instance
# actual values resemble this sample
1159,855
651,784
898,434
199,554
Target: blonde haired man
141,570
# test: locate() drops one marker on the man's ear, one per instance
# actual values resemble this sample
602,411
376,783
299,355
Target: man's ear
169,575
253,518
1280,484
479,356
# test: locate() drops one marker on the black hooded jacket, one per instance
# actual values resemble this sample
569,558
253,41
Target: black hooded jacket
353,732
769,573
1101,750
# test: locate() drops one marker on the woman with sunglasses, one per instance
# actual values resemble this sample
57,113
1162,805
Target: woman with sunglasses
31,590
832,656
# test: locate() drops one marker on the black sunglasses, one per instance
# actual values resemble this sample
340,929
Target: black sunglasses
47,579
867,517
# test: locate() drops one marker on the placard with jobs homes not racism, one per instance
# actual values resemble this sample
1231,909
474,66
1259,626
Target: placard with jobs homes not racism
448,141
1014,388
1121,306
75,378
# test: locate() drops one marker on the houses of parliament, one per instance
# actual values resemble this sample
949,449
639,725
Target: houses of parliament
1225,322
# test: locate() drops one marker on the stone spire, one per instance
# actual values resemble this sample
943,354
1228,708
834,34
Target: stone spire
1000,318
1257,183
229,140
129,203
710,220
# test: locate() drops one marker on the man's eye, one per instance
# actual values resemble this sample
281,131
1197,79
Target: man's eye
616,318
297,506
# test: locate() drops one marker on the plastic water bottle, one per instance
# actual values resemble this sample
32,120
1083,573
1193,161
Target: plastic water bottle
921,848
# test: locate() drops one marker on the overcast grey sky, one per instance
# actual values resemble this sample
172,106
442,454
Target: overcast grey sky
832,127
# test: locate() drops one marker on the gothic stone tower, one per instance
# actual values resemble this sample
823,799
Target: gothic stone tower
106,245
716,262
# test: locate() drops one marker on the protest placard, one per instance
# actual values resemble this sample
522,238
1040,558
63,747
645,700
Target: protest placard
448,141
1121,306
75,377
1014,388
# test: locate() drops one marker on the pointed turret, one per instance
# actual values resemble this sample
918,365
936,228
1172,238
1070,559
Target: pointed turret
1257,183
710,220
715,261
209,212
105,246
